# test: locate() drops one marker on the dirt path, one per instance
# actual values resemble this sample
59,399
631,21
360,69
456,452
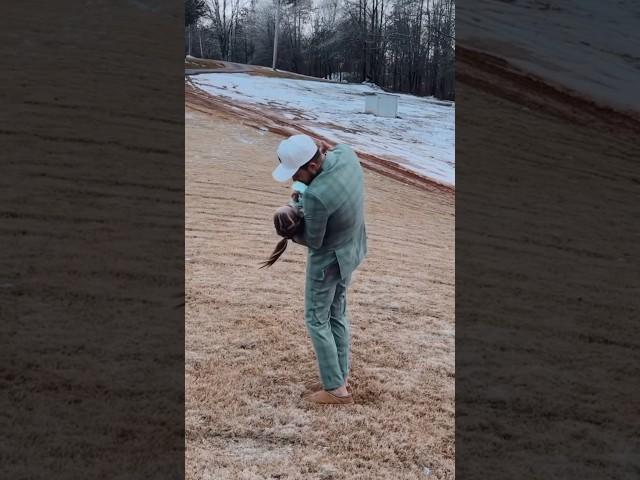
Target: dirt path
247,350
195,66
223,67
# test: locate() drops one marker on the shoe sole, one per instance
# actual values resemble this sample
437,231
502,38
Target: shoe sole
315,387
325,398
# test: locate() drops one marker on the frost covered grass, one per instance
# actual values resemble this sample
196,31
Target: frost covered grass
421,138
536,36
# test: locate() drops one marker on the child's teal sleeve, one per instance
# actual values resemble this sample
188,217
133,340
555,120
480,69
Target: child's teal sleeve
296,204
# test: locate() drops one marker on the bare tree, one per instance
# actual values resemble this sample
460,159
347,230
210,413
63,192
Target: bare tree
223,15
193,11
401,45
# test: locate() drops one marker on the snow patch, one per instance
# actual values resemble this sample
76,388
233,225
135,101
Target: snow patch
421,138
588,46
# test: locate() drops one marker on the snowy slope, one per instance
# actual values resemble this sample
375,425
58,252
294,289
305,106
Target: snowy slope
589,46
421,139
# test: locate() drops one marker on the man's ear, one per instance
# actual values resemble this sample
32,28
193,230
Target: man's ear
316,166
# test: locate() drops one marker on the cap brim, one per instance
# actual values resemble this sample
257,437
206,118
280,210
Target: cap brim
282,173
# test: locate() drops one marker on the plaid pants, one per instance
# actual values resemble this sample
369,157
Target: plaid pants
327,322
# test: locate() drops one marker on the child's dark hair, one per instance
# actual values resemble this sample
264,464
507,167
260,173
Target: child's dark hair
289,222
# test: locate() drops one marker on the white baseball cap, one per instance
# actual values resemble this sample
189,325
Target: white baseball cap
293,152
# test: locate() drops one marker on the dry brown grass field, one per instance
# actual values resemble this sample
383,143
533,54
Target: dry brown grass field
248,355
91,236
544,358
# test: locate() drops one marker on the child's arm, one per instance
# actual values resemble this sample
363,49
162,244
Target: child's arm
296,196
296,201
299,239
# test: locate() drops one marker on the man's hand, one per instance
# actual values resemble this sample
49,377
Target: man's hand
322,146
299,239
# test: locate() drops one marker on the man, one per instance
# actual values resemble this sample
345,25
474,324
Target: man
335,234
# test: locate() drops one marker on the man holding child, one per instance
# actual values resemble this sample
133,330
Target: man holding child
332,206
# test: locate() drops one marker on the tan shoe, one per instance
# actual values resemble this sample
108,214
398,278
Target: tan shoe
325,398
314,387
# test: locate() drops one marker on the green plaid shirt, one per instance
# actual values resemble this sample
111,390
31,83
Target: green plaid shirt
333,205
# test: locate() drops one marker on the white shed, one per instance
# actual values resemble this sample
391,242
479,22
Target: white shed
387,105
370,103
381,104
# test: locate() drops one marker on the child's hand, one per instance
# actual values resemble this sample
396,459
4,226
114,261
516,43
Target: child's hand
295,196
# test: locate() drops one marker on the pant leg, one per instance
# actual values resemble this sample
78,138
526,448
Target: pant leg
319,296
340,328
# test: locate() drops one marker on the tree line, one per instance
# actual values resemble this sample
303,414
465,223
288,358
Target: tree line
400,45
